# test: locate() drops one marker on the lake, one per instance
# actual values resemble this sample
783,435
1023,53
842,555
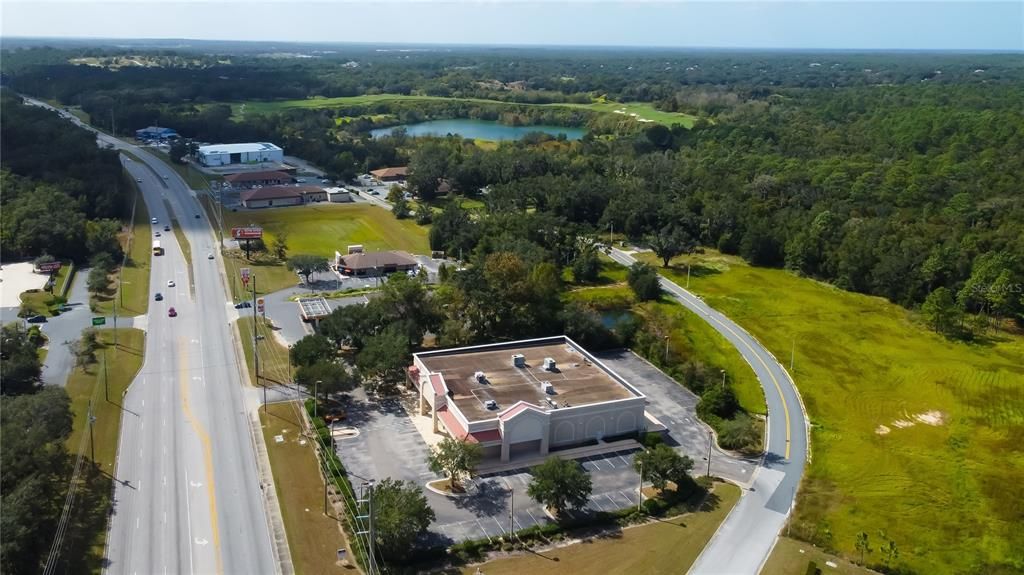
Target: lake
479,130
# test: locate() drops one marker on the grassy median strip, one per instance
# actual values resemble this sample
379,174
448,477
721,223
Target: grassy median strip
134,276
195,179
911,433
791,556
313,537
274,367
662,546
103,388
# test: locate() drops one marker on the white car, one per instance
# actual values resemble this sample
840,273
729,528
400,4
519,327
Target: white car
139,180
170,283
152,220
209,256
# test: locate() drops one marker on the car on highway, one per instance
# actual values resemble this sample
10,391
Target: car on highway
156,234
167,228
166,176
243,305
171,312
152,220
209,256
158,297
36,319
170,283
197,216
374,193
139,180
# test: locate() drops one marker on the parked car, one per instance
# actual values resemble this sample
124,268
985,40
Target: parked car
242,305
300,180
36,319
158,297
170,283
171,312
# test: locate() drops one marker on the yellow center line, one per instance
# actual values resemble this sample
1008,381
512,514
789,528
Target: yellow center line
204,438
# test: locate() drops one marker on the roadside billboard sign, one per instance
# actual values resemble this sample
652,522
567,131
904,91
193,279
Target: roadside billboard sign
247,233
245,276
49,267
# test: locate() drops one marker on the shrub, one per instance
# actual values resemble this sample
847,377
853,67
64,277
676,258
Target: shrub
651,440
717,401
643,280
738,433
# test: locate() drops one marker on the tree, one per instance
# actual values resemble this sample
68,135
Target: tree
311,349
717,401
395,193
428,165
98,280
663,464
643,280
333,377
306,265
401,515
279,245
862,545
400,208
670,242
560,484
890,550
940,310
424,215
385,357
19,363
586,267
454,458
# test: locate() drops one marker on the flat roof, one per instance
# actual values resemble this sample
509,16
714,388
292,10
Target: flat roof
577,380
314,307
238,148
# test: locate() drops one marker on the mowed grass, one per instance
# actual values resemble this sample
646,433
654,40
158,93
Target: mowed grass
322,229
134,276
270,275
790,557
642,110
313,538
274,366
949,489
667,546
43,302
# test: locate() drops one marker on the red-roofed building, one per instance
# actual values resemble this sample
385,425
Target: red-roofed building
262,178
277,196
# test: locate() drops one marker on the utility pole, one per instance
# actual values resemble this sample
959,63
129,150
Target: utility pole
687,275
640,502
106,389
723,379
325,491
710,441
92,442
666,350
511,512
611,235
371,562
373,555
255,348
316,384
792,355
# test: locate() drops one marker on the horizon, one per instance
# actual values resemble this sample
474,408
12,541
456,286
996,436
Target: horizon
857,26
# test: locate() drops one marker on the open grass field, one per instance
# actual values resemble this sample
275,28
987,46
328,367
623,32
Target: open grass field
325,228
666,546
134,276
911,433
43,302
313,537
274,367
790,557
642,110
271,275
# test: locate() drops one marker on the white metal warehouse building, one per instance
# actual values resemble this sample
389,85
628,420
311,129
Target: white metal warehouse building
525,398
251,153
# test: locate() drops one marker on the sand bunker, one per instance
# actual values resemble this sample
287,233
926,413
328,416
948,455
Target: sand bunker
903,423
931,417
882,430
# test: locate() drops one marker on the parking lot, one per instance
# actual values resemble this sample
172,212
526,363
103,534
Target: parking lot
389,445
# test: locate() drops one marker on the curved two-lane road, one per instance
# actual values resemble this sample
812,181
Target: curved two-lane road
744,541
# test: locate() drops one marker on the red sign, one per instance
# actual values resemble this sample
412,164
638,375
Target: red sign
259,305
251,233
245,276
50,267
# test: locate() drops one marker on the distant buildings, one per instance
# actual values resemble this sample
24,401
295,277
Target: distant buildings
338,195
266,178
373,264
155,133
278,196
249,153
391,174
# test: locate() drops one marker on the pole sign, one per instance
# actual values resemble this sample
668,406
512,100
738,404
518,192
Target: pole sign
245,276
249,233
99,321
259,305
49,267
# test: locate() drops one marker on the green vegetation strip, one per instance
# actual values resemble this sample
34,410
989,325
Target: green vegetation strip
271,275
631,110
664,546
274,366
313,537
911,433
87,385
791,556
41,302
134,276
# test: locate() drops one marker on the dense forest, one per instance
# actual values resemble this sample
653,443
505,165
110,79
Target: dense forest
62,194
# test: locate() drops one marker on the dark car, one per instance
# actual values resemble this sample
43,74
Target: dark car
37,319
172,312
167,228
243,304
159,296
197,216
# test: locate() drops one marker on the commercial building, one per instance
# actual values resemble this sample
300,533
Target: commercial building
391,174
372,264
525,398
313,309
338,195
263,178
155,133
278,196
252,153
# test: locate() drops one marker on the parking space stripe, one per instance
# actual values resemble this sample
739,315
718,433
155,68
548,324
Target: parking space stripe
535,522
614,504
628,496
482,530
593,462
501,530
595,502
624,460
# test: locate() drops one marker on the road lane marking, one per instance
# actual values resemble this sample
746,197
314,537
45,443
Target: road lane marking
188,516
204,439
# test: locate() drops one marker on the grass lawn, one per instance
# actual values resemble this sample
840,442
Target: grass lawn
134,298
791,557
274,367
667,546
271,275
85,386
322,229
911,433
642,110
43,302
313,538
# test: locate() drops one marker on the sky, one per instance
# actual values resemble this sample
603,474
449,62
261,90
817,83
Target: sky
814,24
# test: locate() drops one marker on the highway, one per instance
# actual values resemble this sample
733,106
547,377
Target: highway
743,542
187,497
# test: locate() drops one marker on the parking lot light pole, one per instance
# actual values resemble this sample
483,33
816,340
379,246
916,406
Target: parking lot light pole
316,384
710,441
723,379
640,502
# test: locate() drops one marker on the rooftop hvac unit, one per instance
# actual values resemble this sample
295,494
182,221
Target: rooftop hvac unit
491,404
518,360
480,377
549,364
547,387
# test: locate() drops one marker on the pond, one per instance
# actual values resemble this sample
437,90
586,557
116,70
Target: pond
479,130
614,317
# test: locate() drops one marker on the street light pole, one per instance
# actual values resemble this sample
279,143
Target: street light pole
666,350
106,389
316,385
687,275
710,441
640,502
723,379
92,441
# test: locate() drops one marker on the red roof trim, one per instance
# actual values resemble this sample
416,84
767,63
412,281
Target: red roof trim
454,427
437,382
516,409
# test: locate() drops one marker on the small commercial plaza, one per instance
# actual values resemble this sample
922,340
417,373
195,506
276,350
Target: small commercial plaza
525,398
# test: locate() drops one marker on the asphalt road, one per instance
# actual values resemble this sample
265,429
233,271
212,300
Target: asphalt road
187,498
744,541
